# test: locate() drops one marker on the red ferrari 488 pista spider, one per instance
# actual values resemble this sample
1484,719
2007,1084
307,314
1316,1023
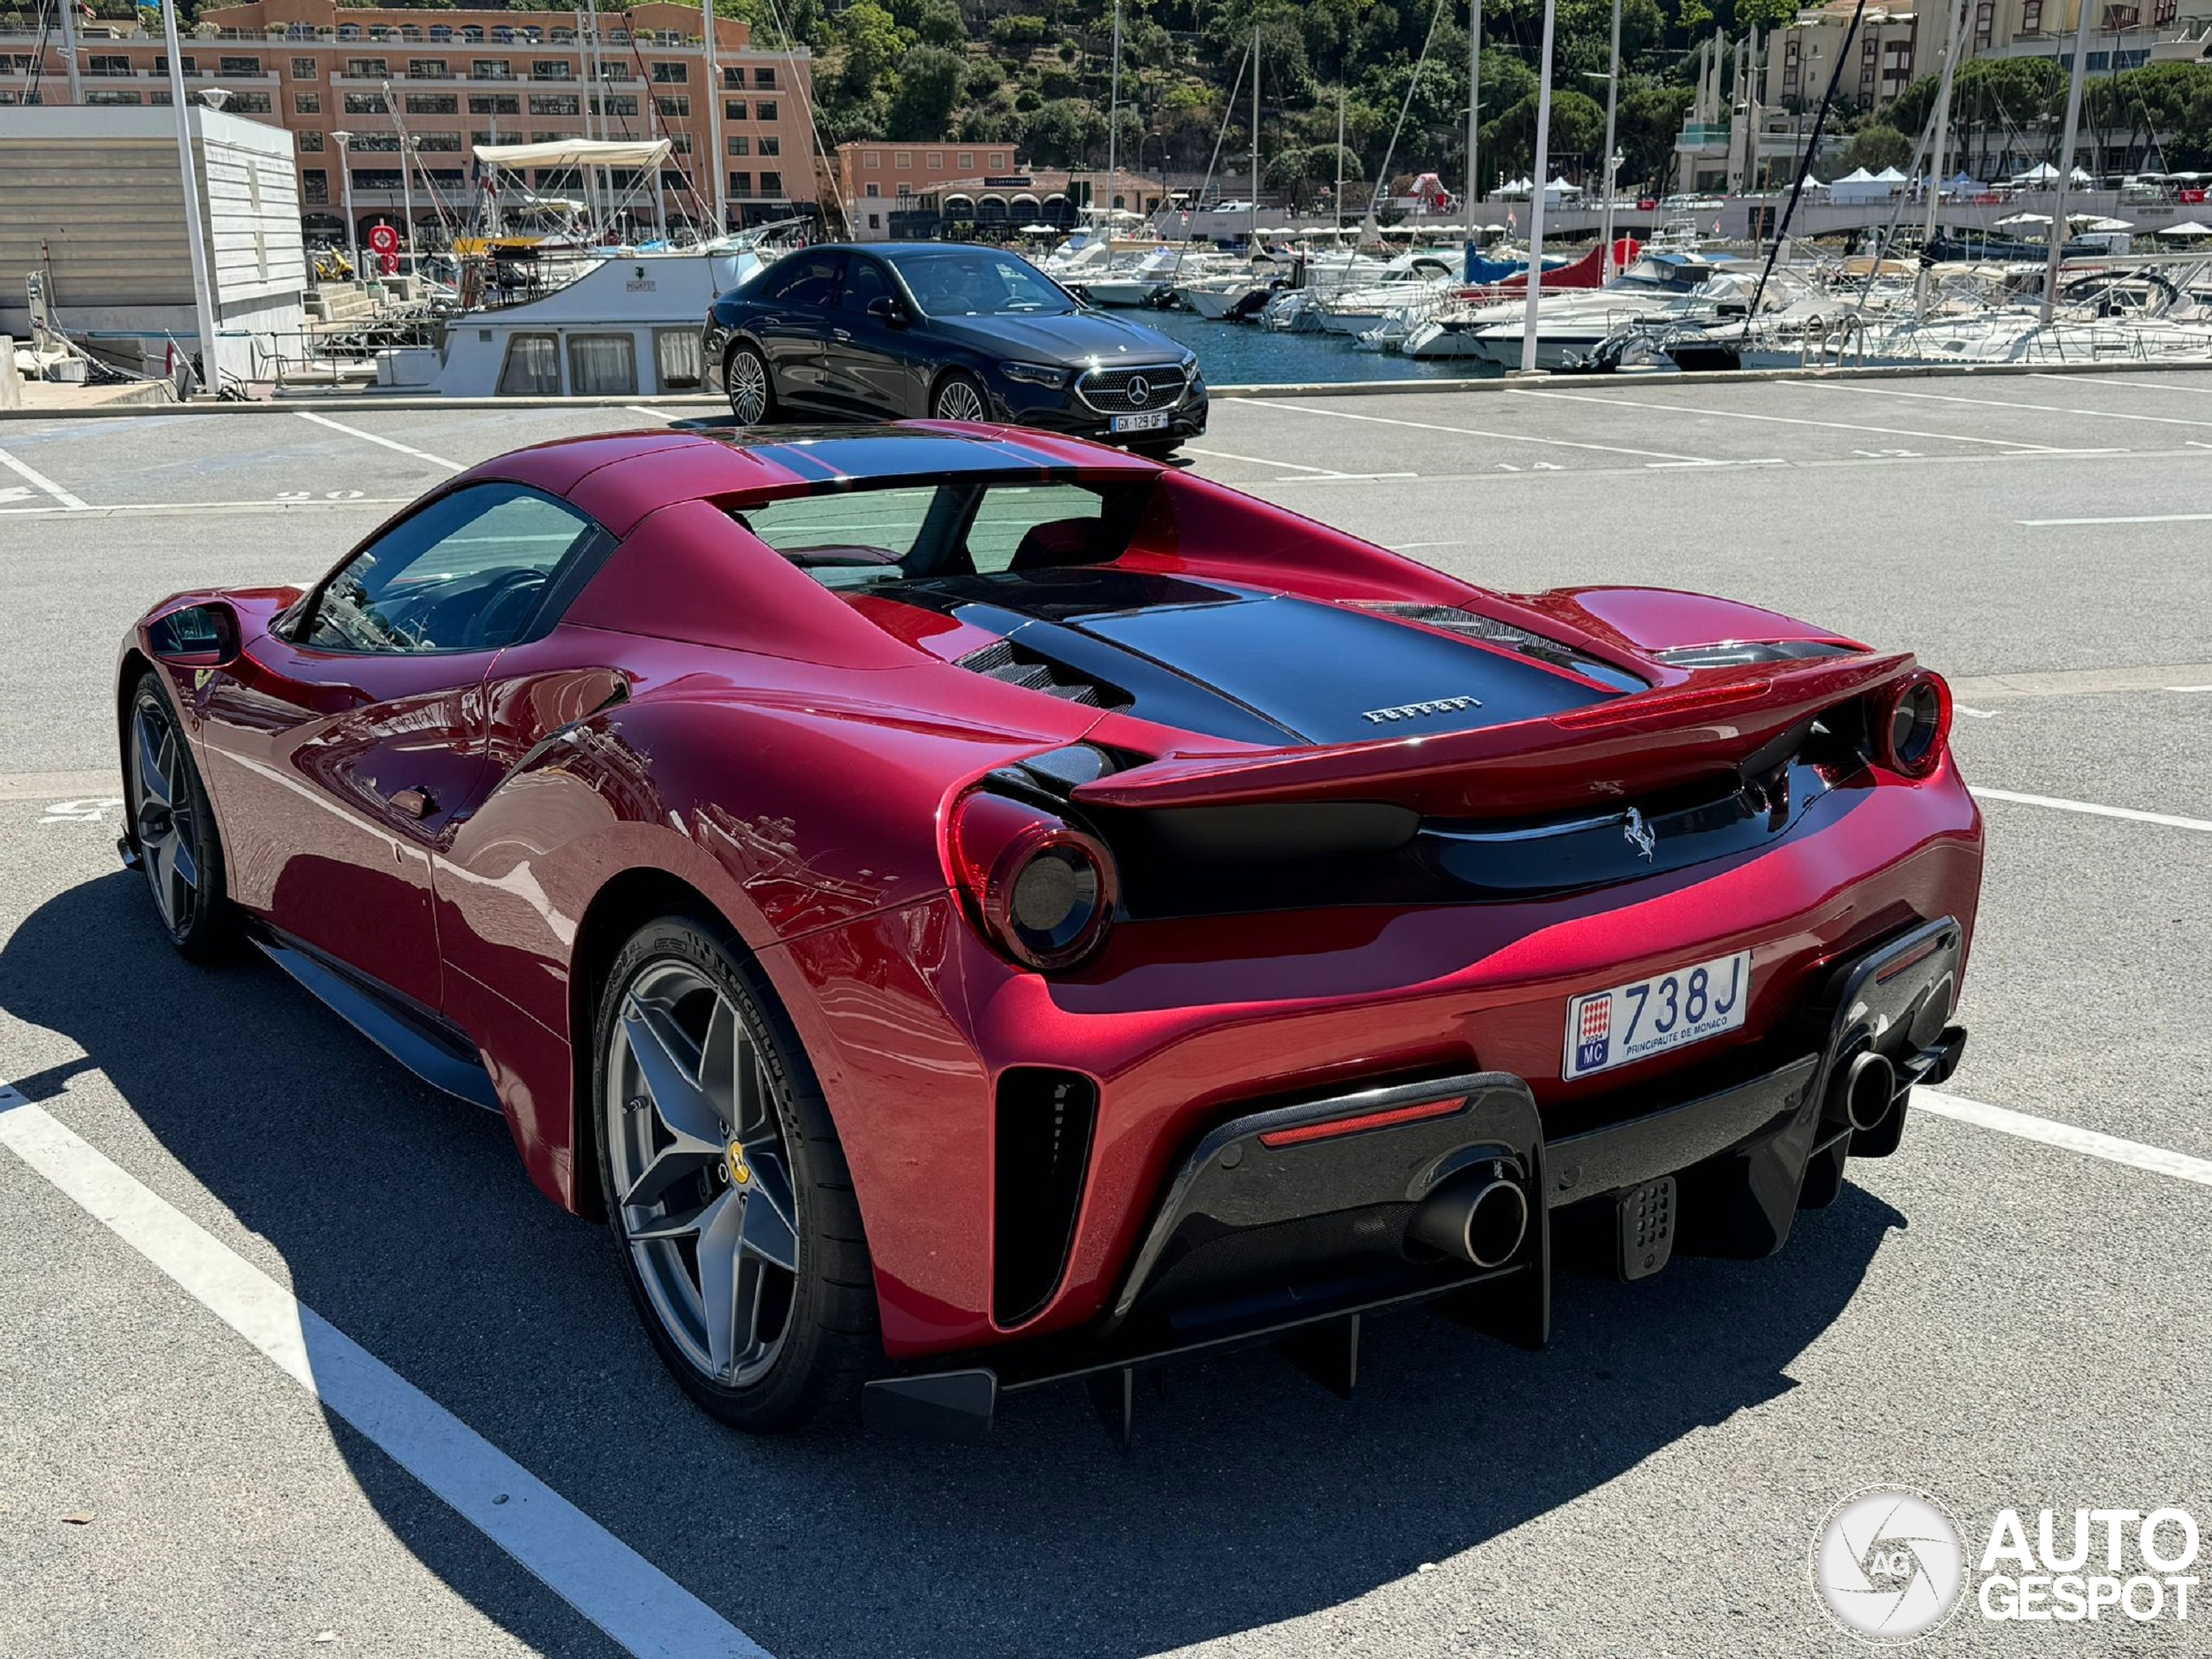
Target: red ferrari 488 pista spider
969,908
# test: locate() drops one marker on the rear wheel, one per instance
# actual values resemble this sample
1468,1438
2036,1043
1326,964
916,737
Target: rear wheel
752,394
725,1188
178,851
959,397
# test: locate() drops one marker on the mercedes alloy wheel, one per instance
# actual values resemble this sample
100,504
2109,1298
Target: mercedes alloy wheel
725,1186
752,398
959,399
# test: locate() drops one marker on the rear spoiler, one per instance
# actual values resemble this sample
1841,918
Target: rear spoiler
1597,755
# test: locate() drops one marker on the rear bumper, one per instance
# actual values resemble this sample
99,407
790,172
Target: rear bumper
1304,1218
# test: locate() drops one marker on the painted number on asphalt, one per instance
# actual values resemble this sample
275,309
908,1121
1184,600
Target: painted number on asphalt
309,495
93,810
1887,455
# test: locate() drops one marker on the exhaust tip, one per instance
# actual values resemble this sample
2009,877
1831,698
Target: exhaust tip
1870,1092
1481,1223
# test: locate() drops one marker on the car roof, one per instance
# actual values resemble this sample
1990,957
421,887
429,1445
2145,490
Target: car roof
619,478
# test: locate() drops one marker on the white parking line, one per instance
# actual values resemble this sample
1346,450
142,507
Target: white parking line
1790,420
2094,810
1991,403
40,481
1473,432
656,414
2134,1154
203,506
2132,518
602,1578
388,443
1257,460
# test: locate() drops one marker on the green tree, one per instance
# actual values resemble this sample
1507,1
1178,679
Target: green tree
1578,129
1064,132
1875,147
1017,31
941,24
873,44
929,91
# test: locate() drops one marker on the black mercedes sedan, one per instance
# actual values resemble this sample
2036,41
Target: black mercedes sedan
947,331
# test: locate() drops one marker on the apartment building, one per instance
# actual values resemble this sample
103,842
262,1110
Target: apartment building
1897,46
737,116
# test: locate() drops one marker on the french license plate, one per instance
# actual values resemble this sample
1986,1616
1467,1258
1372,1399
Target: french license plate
1153,420
1634,1022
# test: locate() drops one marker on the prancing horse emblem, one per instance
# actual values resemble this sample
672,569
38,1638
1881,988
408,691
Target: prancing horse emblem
1638,833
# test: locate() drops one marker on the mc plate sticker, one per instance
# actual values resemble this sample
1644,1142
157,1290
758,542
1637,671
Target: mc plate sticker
1645,1017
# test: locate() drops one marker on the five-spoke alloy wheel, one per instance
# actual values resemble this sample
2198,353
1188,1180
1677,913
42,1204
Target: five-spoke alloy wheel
173,826
724,1184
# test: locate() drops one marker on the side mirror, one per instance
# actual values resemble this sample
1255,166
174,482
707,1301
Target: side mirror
887,310
198,636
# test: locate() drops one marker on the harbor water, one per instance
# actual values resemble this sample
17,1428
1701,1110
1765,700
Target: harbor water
1245,354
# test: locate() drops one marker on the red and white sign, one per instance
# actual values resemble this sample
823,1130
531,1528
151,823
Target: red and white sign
384,239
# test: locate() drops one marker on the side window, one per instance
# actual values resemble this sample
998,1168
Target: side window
807,279
848,539
676,357
864,281
465,574
1044,523
603,365
532,368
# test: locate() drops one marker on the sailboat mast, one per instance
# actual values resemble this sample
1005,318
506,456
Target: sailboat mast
1543,176
1339,197
1114,120
1252,233
1606,162
1954,32
1474,105
2066,162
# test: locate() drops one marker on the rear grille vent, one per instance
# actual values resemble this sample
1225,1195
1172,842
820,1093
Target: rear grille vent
1005,661
1042,1150
1473,624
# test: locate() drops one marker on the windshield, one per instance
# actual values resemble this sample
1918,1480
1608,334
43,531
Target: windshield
978,283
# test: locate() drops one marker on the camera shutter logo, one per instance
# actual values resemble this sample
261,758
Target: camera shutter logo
1888,1564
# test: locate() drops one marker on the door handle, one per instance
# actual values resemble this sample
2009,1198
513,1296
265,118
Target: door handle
415,803
839,334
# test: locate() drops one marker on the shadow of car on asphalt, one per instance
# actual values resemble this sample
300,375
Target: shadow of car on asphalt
1252,1496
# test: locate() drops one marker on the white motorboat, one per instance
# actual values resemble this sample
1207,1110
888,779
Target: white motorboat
1411,279
627,325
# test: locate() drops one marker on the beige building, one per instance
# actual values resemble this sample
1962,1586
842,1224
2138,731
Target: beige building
461,79
986,185
1899,45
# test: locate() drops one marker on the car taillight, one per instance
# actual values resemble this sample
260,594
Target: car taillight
1043,889
1911,724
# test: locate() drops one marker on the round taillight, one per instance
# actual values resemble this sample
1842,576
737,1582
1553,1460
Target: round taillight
1912,724
1044,890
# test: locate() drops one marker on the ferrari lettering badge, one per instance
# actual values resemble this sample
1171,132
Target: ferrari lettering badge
1415,710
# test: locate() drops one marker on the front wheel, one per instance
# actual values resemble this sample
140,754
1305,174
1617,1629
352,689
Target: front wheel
959,397
752,394
726,1190
173,826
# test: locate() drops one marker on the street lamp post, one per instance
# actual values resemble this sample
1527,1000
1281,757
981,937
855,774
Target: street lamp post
344,141
203,290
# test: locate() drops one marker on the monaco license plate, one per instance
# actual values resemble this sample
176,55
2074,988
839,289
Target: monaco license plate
1645,1017
1152,421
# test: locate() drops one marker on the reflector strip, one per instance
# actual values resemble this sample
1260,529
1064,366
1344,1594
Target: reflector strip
1336,1126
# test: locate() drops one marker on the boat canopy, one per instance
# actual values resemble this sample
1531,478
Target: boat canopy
576,152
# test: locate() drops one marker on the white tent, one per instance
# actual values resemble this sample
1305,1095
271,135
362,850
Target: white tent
576,152
2041,173
1858,187
1890,175
2097,222
2187,227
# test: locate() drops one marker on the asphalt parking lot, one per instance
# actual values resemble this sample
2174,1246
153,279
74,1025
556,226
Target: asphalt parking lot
2012,1312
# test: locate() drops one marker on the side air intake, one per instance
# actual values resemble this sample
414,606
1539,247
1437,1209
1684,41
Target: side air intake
1005,661
1042,1151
